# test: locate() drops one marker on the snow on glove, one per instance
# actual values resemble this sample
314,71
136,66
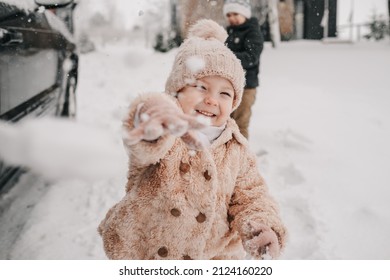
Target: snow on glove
262,242
157,117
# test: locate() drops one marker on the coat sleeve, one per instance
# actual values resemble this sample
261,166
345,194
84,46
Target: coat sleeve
251,201
253,46
144,152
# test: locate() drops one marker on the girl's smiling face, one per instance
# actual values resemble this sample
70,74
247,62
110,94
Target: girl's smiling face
211,97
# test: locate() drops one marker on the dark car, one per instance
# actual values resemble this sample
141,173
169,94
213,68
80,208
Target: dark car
38,64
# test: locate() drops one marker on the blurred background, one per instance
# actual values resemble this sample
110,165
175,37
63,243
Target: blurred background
165,22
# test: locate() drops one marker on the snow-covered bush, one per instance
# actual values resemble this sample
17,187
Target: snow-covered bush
379,28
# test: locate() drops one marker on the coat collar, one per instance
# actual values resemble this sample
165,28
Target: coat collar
231,131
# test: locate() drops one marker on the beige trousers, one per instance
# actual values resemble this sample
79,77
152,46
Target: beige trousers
243,113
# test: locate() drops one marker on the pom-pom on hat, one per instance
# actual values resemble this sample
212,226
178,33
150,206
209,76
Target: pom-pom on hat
203,54
242,7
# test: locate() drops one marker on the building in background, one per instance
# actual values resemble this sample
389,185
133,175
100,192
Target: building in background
315,19
185,12
279,19
307,19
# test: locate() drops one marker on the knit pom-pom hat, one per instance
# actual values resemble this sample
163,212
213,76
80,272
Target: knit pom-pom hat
203,54
242,7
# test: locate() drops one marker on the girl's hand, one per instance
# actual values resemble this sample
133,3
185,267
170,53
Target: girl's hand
263,242
158,117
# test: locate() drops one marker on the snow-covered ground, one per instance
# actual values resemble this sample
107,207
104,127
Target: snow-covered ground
320,129
322,119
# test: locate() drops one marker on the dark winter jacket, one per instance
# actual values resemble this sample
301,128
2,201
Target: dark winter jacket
246,41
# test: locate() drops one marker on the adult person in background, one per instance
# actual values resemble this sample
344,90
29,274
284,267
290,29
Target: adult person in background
246,41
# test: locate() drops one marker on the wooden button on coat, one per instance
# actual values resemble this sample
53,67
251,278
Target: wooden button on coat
187,257
184,167
175,212
201,218
207,175
162,252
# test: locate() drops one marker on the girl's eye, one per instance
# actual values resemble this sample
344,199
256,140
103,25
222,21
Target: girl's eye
226,93
201,87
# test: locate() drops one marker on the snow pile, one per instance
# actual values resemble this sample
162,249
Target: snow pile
60,149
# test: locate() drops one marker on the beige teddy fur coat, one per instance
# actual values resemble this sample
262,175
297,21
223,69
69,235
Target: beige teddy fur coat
180,205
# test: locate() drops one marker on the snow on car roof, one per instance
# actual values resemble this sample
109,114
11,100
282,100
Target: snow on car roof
21,4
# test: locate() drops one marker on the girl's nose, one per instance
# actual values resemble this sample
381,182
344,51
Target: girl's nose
209,100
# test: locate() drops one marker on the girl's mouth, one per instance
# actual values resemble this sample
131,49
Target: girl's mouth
204,113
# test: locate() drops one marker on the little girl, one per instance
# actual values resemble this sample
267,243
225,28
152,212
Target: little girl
193,190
